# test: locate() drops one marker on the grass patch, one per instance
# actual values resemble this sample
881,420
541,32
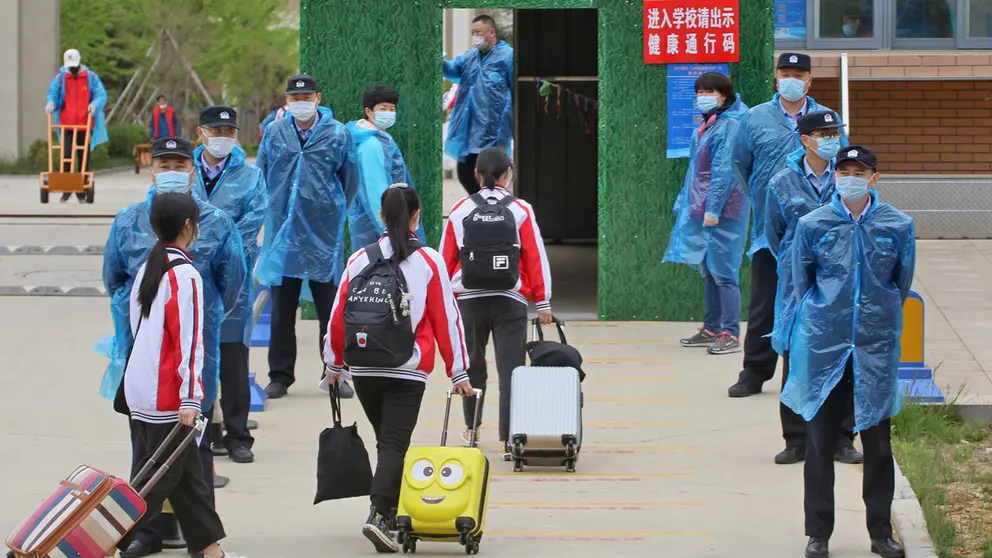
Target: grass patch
948,461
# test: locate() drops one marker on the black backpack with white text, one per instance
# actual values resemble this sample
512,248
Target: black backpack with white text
490,253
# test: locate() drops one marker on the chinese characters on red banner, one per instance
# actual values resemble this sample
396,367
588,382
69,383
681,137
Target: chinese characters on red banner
691,31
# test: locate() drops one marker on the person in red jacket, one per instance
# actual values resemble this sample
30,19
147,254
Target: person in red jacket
495,269
165,121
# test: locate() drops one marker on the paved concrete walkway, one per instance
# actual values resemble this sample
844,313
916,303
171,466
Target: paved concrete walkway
670,466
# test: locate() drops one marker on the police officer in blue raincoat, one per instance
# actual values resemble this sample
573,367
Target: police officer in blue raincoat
312,175
76,93
853,265
237,188
712,212
217,254
483,112
805,184
381,165
768,136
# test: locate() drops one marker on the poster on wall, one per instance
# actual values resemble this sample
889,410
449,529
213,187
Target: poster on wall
683,117
790,19
691,31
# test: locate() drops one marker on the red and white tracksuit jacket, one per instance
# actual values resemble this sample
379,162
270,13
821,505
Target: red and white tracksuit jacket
433,314
163,373
535,273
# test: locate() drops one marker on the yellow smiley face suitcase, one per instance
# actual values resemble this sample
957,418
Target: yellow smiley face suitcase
445,492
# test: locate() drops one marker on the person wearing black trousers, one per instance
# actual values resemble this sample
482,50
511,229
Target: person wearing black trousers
805,184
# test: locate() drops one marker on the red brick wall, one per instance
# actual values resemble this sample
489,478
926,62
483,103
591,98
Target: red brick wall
919,127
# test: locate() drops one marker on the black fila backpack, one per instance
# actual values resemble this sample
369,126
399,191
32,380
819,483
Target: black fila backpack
377,327
490,253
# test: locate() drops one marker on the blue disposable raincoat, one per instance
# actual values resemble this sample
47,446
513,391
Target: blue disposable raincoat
483,113
768,137
98,95
381,164
240,193
217,255
711,186
310,188
851,279
790,196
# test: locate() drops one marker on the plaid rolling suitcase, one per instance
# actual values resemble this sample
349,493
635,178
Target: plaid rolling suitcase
90,511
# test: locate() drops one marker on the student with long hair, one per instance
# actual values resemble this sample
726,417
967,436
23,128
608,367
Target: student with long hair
497,262
394,305
162,380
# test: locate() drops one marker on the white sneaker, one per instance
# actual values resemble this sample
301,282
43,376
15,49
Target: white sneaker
467,438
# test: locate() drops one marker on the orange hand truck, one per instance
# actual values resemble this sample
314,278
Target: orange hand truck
142,153
75,180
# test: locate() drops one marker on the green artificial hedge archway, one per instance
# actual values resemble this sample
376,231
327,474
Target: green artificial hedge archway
349,45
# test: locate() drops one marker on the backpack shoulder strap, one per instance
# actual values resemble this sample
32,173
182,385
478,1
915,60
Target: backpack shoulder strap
506,200
374,252
478,199
176,263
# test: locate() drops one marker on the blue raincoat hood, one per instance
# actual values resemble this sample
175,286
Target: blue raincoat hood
768,137
98,95
851,279
790,196
483,113
711,186
217,256
241,194
310,187
381,164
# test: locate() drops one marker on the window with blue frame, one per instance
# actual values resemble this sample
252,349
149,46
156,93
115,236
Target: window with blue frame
925,19
847,19
979,19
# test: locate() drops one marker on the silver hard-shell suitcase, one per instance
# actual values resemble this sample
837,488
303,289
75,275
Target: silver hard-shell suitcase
545,417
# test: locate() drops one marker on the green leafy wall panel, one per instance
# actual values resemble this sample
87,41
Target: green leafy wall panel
352,44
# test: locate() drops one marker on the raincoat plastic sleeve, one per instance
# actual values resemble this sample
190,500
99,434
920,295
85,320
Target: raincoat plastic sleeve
743,152
452,69
229,270
803,262
114,272
445,319
262,157
98,94
723,176
251,220
55,91
190,299
350,172
906,266
775,225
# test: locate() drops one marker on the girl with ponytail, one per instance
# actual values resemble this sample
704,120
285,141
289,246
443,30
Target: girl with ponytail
162,382
393,310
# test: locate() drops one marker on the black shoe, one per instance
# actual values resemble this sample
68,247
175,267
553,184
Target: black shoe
817,548
346,391
220,481
790,455
140,549
849,455
241,454
376,530
887,548
275,390
744,388
217,440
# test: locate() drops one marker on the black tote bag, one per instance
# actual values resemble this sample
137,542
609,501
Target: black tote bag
343,469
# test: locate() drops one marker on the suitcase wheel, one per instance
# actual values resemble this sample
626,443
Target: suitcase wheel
518,466
409,545
570,466
472,547
571,449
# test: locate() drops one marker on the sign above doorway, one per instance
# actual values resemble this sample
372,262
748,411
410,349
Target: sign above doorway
691,31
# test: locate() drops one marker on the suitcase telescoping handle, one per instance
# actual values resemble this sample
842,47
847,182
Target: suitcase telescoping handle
154,459
475,420
537,335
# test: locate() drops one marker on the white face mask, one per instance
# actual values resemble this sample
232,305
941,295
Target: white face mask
163,106
478,42
303,110
220,147
172,181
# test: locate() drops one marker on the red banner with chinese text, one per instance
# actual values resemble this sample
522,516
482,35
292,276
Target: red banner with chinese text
691,31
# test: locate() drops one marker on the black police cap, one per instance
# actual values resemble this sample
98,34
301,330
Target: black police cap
219,115
818,120
859,154
172,147
795,60
302,83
